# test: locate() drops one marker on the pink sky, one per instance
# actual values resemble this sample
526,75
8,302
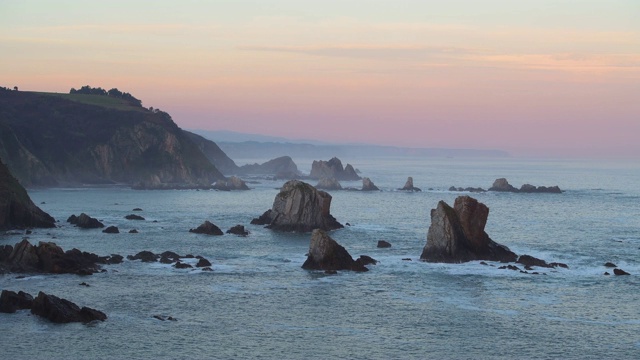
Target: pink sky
543,78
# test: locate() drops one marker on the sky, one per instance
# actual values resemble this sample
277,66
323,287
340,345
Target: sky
554,78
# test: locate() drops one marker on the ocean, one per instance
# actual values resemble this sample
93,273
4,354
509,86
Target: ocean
258,303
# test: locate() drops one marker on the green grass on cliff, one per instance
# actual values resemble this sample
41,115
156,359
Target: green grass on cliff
108,102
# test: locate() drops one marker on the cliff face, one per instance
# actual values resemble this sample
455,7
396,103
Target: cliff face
213,152
16,208
50,140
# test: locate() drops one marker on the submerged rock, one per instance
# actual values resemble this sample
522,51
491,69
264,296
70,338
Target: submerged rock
408,186
207,228
457,234
299,207
326,254
368,185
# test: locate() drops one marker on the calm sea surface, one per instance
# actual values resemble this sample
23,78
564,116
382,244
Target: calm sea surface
259,304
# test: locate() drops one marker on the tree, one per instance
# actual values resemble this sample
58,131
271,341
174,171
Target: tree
15,88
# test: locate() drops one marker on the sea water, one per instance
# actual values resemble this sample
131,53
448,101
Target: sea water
258,303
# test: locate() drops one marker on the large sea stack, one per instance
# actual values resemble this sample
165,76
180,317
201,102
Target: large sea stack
326,254
299,207
16,208
333,169
457,234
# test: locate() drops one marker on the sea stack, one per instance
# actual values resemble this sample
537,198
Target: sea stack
326,254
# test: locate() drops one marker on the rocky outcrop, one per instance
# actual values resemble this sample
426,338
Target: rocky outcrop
232,183
503,185
468,189
282,168
10,301
332,169
299,207
17,211
60,310
408,186
368,185
207,228
238,230
329,184
457,234
326,254
85,221
111,230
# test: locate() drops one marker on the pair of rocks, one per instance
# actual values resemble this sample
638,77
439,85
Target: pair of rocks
208,228
85,221
50,307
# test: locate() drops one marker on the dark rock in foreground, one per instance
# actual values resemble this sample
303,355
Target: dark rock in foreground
11,301
207,228
299,207
368,185
457,234
60,310
326,254
408,186
238,230
383,244
16,208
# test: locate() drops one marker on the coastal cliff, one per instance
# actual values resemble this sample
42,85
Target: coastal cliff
50,139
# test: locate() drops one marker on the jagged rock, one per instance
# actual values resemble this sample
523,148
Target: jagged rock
238,230
232,183
408,186
368,185
145,256
133,217
366,260
85,221
457,234
610,265
207,228
326,254
10,301
181,265
60,310
502,184
299,207
617,271
332,169
383,244
528,260
171,255
111,230
202,262
16,208
329,184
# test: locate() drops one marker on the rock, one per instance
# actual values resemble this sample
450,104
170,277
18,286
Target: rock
72,219
368,185
326,254
17,211
86,222
207,228
136,209
408,186
133,231
299,207
457,234
144,256
610,265
528,261
11,301
383,244
202,262
502,185
170,255
166,260
238,230
617,271
282,167
207,269
366,260
60,310
328,184
134,217
111,230
181,265
332,169
232,183
23,257
606,273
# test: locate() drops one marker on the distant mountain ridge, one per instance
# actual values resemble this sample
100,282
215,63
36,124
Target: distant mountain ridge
50,139
238,145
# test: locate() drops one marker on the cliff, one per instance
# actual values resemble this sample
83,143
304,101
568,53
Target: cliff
213,152
50,139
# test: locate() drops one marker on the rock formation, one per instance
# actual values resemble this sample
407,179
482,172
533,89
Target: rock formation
59,310
299,207
329,184
503,185
10,301
332,169
238,230
457,234
469,189
368,185
384,244
111,230
207,228
326,254
232,183
133,217
85,221
408,186
282,168
16,208
213,153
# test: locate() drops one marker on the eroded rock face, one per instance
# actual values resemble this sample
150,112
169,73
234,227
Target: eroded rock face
329,184
457,234
368,185
299,207
326,254
333,169
16,208
408,186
